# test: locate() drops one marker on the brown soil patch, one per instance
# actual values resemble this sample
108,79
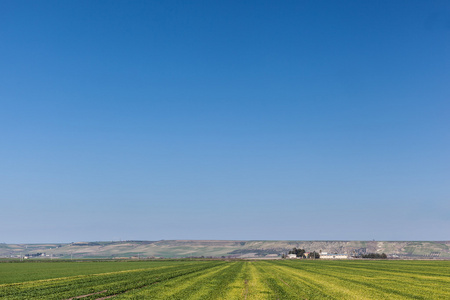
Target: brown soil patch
87,295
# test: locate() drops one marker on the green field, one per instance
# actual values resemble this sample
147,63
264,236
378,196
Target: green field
296,279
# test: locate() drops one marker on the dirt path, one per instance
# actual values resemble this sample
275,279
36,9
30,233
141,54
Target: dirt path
246,288
87,295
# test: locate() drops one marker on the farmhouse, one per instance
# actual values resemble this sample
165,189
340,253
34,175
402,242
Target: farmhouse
291,256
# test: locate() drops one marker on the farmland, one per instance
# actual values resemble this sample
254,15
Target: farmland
220,279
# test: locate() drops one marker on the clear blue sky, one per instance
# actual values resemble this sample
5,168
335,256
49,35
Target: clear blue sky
224,120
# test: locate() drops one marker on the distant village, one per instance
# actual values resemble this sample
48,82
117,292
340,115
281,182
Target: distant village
357,253
322,255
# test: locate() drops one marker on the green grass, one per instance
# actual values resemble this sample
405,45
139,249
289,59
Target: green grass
286,279
15,272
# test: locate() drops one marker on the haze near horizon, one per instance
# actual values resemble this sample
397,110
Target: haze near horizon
224,120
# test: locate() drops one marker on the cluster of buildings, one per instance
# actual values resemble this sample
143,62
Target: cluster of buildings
323,255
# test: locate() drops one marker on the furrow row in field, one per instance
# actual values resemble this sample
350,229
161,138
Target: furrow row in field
307,285
236,280
59,280
390,286
175,288
221,286
113,283
248,280
400,268
338,286
215,284
19,272
427,283
75,283
248,284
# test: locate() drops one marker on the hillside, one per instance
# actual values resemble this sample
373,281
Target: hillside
216,248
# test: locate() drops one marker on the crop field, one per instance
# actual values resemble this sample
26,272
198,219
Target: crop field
215,279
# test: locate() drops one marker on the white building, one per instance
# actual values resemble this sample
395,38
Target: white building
325,255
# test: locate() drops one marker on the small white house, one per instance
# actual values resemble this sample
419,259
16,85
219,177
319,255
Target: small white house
291,256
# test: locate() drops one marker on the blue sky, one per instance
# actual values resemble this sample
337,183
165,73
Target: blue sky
224,120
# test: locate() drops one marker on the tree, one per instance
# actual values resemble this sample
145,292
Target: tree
298,252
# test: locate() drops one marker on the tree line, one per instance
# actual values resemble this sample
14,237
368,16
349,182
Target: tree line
374,255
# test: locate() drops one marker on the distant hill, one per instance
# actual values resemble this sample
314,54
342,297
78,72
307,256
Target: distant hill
217,248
